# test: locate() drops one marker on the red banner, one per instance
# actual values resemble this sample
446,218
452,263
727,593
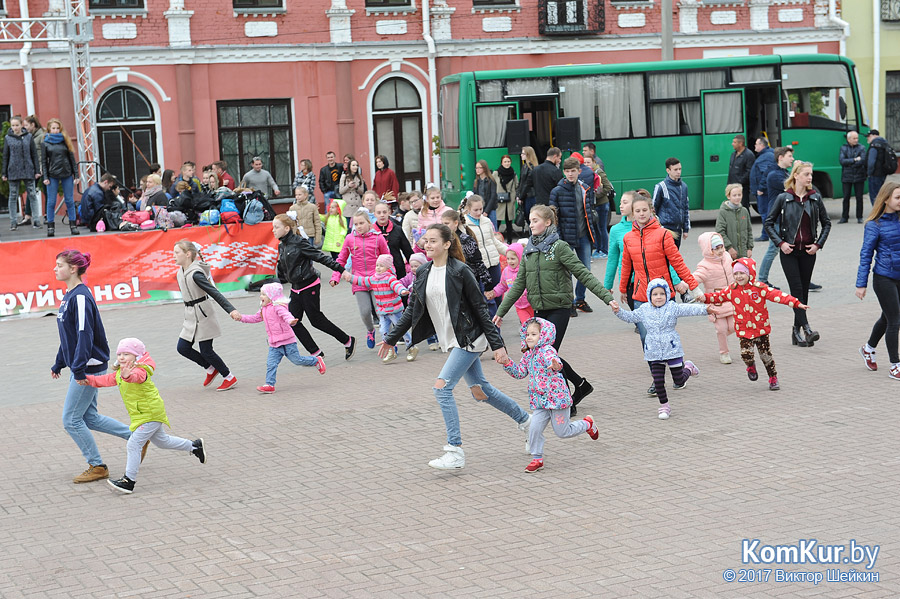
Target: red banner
131,267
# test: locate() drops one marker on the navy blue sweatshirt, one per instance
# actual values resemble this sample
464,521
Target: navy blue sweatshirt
82,340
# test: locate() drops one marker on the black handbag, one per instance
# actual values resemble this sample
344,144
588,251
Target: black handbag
502,197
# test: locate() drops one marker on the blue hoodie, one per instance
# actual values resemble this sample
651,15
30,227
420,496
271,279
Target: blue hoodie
82,340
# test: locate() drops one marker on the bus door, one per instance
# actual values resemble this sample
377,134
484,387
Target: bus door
763,113
722,113
490,135
540,112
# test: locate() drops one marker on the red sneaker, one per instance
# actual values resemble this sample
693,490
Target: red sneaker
227,384
869,357
210,378
534,466
320,364
266,389
592,430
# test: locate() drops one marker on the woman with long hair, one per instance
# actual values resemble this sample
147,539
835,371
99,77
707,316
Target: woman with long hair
525,190
882,238
486,187
447,301
59,168
385,179
507,183
352,188
168,177
801,213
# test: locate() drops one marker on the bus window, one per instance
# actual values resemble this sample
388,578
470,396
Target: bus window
753,74
492,124
819,96
529,87
601,101
490,91
675,100
449,115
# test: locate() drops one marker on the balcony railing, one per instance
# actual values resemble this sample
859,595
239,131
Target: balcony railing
570,17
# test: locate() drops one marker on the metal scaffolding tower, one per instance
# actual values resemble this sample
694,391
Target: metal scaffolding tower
75,28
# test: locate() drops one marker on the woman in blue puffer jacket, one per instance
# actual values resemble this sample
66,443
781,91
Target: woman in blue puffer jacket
882,238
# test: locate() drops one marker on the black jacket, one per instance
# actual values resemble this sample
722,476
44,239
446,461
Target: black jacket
468,309
787,207
487,189
544,178
739,167
853,170
399,245
330,177
57,161
295,257
526,183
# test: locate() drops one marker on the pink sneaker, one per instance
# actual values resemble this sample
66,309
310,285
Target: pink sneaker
320,364
592,430
690,367
266,389
535,465
751,373
773,383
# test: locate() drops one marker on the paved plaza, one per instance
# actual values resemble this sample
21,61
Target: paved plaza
323,489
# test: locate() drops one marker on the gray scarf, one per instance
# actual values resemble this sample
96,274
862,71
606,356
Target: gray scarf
542,243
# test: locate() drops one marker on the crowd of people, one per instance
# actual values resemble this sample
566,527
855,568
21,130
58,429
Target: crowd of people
430,275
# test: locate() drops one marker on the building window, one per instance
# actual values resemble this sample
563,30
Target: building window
388,3
892,108
5,112
570,17
257,4
249,128
116,4
477,3
126,134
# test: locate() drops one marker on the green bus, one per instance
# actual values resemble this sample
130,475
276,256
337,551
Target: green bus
639,114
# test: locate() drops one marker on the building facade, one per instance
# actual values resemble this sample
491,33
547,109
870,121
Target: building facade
203,80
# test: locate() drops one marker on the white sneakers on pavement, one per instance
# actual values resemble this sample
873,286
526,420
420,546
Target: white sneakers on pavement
454,459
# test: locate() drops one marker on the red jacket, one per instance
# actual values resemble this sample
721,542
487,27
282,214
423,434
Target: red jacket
649,252
385,180
751,317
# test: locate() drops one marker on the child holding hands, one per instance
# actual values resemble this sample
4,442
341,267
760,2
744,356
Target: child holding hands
514,253
132,373
715,274
282,341
548,391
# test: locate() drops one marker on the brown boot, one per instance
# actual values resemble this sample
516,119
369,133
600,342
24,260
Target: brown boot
92,473
144,451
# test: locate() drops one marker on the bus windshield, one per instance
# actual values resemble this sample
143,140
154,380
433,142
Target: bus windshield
819,96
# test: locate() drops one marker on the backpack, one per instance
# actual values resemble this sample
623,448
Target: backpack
886,161
209,218
227,205
162,218
178,218
253,212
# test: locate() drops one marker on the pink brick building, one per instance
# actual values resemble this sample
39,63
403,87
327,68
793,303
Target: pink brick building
204,80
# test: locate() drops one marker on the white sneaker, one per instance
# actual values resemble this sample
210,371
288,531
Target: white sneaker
725,358
411,353
434,346
453,459
523,426
390,357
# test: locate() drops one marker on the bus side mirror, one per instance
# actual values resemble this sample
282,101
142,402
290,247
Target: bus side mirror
842,108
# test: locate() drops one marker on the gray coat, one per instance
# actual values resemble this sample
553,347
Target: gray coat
200,322
20,157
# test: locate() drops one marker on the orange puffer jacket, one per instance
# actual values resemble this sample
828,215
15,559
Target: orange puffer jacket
648,252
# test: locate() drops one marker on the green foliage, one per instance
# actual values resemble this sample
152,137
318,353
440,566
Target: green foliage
436,142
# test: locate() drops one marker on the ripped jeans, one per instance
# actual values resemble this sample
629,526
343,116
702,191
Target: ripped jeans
462,363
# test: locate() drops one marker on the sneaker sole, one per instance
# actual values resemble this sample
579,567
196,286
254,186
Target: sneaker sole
119,489
663,417
869,368
527,471
227,388
261,392
437,467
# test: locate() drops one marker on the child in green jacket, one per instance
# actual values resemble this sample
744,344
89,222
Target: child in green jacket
733,224
132,373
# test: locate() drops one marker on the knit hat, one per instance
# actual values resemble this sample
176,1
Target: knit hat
418,258
715,240
578,156
275,292
740,267
131,345
385,260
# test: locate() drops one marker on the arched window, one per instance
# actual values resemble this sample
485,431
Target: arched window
397,119
126,134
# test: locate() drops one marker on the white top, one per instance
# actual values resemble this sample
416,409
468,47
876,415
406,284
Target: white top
439,312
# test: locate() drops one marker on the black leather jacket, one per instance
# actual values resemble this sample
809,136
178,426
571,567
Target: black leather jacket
295,258
468,310
787,207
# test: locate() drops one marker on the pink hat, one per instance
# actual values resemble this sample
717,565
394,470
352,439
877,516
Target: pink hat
273,291
740,267
131,345
385,260
418,258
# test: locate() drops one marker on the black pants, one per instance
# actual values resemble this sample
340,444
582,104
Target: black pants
798,267
560,319
206,357
307,302
858,188
887,290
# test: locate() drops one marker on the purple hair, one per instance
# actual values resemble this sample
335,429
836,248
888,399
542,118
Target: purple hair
75,258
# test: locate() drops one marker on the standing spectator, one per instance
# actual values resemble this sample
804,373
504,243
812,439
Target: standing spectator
411,218
260,179
765,162
486,187
574,210
739,166
507,183
603,193
385,179
352,187
330,179
853,175
187,175
875,163
306,178
546,176
226,180
590,151
733,224
306,215
671,203
33,126
59,168
525,189
784,158
21,165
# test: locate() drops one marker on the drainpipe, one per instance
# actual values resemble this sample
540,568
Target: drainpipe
25,62
432,83
833,18
876,62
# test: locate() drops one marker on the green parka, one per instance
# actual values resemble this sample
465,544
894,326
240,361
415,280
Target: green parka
733,224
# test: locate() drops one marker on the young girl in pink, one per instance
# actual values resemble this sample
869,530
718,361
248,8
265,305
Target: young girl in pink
507,278
363,245
548,391
714,272
282,341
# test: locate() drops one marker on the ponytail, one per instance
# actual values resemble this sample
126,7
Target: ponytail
455,251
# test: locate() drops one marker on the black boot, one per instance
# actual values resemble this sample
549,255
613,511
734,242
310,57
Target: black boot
74,230
51,229
811,335
798,339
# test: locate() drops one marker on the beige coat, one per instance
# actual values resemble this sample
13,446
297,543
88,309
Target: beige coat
200,322
308,218
352,197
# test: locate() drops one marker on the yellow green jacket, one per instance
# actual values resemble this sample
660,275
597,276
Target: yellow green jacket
141,397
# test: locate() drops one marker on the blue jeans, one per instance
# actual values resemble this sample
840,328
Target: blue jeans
68,185
766,265
465,363
875,184
386,321
762,206
288,351
601,232
493,216
582,247
80,417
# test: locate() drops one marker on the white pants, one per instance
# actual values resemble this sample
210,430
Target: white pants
151,431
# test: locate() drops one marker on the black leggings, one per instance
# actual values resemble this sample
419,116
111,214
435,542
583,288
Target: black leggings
658,370
887,290
798,267
307,301
560,319
206,357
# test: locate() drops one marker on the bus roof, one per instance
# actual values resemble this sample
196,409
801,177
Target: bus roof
640,67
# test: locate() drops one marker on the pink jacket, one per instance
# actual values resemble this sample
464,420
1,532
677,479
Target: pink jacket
364,249
715,274
508,277
276,317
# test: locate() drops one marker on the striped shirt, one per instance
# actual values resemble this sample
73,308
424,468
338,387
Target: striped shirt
386,289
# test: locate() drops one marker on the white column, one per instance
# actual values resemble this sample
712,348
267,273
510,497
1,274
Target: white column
179,24
339,17
759,14
687,16
440,20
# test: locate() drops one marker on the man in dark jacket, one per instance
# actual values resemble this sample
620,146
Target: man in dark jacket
94,199
739,166
765,162
574,210
853,175
671,202
330,178
874,170
546,176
